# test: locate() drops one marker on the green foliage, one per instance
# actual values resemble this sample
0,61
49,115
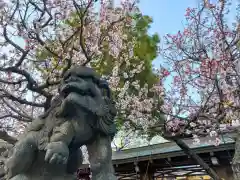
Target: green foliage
144,51
146,48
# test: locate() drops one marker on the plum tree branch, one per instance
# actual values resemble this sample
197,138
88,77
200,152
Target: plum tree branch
11,97
25,117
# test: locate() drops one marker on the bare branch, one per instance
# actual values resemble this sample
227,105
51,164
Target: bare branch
81,16
18,99
24,116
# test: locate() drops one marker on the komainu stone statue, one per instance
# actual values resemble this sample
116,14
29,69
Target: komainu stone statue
81,114
236,157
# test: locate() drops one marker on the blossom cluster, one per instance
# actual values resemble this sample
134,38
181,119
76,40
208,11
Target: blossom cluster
204,57
39,40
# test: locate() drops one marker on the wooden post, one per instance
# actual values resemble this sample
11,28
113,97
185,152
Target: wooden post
147,173
146,176
224,172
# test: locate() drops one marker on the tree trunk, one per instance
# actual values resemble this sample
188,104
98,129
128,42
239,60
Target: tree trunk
197,158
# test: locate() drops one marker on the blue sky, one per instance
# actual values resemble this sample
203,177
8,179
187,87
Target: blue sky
168,15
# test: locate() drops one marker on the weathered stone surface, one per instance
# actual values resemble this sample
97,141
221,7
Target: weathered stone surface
42,170
82,114
4,148
236,158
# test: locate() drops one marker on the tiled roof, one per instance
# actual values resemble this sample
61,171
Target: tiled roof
171,149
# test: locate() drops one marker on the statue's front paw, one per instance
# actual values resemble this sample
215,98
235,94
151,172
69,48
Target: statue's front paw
57,153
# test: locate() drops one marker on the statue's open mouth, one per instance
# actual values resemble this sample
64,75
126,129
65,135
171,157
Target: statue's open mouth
74,87
78,95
